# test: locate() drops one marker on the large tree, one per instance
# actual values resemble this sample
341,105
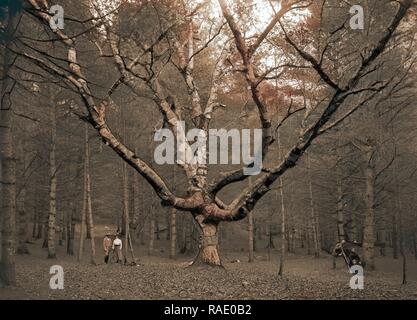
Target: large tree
183,31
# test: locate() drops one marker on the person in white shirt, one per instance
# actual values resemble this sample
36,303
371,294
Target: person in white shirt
117,247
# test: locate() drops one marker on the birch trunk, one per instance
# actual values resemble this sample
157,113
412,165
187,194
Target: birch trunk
52,187
314,226
89,213
283,218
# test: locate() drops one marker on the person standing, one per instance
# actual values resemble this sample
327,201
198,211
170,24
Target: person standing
107,246
118,246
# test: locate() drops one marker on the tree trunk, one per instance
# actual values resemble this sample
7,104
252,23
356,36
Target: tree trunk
395,237
368,228
83,222
250,232
136,216
340,217
125,217
132,253
157,228
250,236
173,234
41,226
283,219
400,218
314,226
8,171
383,235
52,187
208,254
89,213
151,231
71,230
35,225
64,219
22,247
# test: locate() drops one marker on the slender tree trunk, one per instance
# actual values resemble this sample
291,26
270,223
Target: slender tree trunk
383,235
250,236
399,216
52,188
250,232
132,253
71,230
369,222
157,228
255,234
8,165
403,255
395,238
340,217
125,217
35,225
83,221
173,235
354,226
64,219
283,218
151,230
41,226
89,213
45,230
314,226
22,247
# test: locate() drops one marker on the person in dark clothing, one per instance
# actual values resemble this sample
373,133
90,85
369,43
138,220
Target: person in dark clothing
107,247
349,254
353,257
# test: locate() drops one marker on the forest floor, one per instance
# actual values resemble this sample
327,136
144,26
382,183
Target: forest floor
157,277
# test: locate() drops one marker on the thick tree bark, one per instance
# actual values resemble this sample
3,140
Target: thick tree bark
208,253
